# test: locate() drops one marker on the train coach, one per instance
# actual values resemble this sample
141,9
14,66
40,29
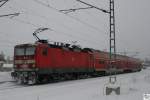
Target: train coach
42,61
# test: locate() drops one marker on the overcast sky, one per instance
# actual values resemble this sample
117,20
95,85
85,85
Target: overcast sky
90,28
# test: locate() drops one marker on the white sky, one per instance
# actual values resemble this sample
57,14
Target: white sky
89,27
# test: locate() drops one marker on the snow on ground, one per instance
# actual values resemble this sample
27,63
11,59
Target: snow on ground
5,76
8,65
133,86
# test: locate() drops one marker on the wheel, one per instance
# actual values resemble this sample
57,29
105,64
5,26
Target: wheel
32,81
32,78
19,79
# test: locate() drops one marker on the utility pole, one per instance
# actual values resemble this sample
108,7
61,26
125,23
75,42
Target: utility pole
112,40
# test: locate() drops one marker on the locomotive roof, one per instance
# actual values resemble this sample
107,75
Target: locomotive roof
77,48
25,45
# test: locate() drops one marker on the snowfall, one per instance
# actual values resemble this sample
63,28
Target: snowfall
133,87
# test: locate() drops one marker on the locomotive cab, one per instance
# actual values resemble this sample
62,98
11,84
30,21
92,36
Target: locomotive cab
24,63
24,57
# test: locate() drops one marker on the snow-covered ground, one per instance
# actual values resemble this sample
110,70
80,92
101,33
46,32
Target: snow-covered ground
8,65
5,77
133,86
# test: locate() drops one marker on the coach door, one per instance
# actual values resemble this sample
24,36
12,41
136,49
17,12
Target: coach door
91,61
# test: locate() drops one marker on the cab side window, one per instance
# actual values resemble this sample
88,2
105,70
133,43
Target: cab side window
45,52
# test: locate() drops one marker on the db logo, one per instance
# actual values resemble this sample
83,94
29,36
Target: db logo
146,96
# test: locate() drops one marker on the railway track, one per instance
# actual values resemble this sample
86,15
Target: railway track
7,85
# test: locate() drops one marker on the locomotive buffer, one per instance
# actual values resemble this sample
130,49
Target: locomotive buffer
111,86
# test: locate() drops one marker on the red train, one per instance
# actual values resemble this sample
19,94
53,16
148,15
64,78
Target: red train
42,61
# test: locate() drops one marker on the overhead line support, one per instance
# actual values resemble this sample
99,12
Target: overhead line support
73,10
4,1
103,10
7,15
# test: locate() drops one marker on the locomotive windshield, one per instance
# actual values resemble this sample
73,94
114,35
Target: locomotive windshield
19,51
24,51
30,51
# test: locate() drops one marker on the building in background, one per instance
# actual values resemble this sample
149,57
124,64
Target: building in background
6,64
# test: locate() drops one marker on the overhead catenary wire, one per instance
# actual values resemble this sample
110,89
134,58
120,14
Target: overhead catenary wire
77,19
72,17
86,12
3,2
55,31
35,25
95,18
26,22
10,15
66,34
33,13
94,27
45,18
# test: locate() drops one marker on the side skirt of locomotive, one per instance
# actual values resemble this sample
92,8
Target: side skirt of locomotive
45,75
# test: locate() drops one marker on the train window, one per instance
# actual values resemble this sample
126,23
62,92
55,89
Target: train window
30,50
45,51
19,51
101,62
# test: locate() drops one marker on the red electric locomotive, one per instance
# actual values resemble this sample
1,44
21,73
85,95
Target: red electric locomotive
43,61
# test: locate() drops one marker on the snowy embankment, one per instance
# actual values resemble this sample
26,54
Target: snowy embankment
133,86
